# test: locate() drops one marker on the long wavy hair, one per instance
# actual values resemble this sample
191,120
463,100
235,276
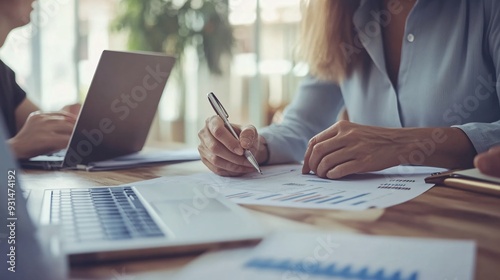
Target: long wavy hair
327,30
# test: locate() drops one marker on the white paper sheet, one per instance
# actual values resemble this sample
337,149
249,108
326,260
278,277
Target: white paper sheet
284,185
322,255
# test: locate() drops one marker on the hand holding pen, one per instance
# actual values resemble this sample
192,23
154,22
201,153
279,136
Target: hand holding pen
228,149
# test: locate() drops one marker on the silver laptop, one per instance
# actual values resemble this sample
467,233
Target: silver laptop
117,113
112,223
23,254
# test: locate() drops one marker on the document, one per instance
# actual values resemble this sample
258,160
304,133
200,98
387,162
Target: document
323,255
285,186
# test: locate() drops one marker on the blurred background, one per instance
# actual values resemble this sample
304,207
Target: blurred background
242,50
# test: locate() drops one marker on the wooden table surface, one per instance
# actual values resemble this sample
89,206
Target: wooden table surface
439,213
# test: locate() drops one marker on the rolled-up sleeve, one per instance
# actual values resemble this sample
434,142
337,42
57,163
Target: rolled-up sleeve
315,107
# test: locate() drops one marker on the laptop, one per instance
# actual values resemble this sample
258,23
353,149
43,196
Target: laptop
123,222
117,113
23,253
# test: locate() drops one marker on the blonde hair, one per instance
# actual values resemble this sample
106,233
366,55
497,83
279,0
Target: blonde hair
327,29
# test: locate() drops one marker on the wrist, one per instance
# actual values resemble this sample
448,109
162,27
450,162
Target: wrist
438,146
263,154
17,149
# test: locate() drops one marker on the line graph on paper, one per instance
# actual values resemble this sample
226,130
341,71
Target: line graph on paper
285,186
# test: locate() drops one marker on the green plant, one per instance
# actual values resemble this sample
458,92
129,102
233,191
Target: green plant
171,25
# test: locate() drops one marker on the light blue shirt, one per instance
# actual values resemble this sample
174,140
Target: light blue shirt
448,73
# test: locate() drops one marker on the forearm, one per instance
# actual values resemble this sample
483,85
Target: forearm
23,111
441,147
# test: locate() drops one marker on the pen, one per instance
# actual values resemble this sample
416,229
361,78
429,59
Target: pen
219,109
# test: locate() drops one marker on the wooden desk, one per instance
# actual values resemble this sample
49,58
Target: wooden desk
439,213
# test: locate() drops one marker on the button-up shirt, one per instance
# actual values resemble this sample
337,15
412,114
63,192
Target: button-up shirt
448,74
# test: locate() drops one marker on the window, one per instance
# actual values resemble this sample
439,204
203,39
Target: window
56,55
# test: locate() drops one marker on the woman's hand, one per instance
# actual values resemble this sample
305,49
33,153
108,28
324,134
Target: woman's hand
348,148
224,154
43,133
489,162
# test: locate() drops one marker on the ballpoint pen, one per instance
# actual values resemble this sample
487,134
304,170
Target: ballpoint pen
219,109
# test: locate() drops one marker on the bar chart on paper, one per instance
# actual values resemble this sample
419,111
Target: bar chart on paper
285,186
326,255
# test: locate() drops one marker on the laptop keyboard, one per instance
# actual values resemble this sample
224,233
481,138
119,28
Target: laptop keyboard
60,153
101,214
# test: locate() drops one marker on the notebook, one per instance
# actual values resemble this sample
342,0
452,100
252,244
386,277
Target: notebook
117,113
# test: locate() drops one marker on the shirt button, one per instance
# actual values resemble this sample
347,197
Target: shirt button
410,38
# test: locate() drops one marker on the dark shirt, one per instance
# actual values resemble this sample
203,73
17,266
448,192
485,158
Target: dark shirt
11,95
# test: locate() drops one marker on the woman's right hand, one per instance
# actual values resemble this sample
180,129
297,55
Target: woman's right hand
224,154
43,133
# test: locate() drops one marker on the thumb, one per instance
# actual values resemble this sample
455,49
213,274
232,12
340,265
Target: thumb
248,136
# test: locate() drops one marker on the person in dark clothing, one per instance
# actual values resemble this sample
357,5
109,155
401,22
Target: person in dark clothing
31,131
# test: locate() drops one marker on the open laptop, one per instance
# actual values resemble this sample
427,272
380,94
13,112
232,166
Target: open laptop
118,111
123,222
113,223
23,254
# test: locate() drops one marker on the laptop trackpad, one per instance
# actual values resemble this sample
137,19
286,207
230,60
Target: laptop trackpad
188,217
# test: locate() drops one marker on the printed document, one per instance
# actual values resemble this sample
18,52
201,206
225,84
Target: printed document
285,186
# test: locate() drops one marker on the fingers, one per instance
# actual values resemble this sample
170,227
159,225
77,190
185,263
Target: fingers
316,149
49,123
330,161
221,142
73,109
324,153
67,116
58,143
221,151
248,136
63,128
53,116
305,168
342,170
214,150
223,167
489,162
223,135
345,148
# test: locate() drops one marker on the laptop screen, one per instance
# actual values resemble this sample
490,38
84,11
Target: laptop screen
120,106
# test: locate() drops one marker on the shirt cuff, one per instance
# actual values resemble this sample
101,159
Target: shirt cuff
482,135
